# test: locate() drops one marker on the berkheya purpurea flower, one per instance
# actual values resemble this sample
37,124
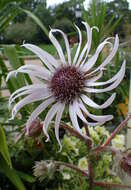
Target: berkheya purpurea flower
67,82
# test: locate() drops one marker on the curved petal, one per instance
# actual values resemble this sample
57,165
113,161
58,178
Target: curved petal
112,86
43,94
24,88
115,77
45,57
81,116
102,119
87,47
110,56
79,46
32,70
51,113
57,122
90,63
57,46
91,103
73,117
66,44
26,92
38,111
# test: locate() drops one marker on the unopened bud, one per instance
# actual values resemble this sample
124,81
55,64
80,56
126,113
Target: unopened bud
35,128
43,169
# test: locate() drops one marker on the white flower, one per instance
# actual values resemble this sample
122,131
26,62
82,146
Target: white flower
67,82
119,142
83,164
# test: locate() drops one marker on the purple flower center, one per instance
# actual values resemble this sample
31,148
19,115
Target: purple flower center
67,84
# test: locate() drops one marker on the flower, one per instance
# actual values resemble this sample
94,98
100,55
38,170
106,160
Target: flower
67,83
83,164
119,142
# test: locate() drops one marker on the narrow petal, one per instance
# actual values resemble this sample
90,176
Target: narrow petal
43,94
91,62
57,122
45,57
91,103
101,119
73,112
38,111
81,116
79,46
36,71
73,117
112,86
87,47
110,56
66,44
51,113
78,112
24,88
26,92
57,46
115,77
10,74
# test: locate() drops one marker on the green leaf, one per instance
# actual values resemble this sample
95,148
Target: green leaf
11,174
26,177
4,147
37,20
10,52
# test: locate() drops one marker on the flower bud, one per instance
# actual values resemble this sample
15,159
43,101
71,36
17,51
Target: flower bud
43,169
35,128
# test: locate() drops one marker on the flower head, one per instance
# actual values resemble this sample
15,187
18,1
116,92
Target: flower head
67,82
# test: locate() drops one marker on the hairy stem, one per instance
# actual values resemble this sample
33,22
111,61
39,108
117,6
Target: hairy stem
111,185
118,128
71,166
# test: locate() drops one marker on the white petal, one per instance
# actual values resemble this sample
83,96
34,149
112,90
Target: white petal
30,99
91,103
78,112
37,68
110,56
91,62
112,86
87,47
79,46
28,87
51,113
66,44
38,111
102,119
37,72
29,91
47,59
73,117
57,46
57,122
10,74
81,116
73,112
115,77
